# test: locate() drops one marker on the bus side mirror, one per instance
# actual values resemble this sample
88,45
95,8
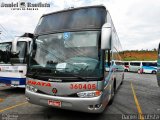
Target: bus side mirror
106,36
14,46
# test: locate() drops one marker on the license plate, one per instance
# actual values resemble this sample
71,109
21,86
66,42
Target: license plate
14,82
54,103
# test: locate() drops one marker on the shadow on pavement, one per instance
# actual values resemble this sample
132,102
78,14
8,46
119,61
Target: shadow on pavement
7,91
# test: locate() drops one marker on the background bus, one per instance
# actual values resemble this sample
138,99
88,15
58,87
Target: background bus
158,66
135,66
142,66
68,59
13,58
149,67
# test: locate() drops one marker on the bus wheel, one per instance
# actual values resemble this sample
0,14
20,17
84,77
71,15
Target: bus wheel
125,70
154,72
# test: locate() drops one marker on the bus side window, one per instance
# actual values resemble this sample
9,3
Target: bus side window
108,55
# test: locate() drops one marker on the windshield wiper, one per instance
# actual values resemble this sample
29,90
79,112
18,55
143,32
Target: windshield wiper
75,75
40,70
80,77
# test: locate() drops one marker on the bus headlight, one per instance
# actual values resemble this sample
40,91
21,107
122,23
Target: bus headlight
31,88
89,94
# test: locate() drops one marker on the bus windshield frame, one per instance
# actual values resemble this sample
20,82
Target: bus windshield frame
76,54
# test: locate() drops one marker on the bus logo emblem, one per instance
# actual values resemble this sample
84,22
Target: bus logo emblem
66,35
54,90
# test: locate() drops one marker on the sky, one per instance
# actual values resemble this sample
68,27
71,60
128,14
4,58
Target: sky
137,22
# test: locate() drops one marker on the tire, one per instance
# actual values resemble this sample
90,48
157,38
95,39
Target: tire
125,70
154,72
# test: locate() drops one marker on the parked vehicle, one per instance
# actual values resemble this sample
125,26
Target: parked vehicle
149,67
135,66
68,60
13,61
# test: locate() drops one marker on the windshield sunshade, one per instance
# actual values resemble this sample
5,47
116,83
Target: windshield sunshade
74,19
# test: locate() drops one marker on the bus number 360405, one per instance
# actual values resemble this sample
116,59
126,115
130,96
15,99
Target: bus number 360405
82,86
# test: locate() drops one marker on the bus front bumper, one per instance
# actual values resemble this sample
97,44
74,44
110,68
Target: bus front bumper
13,82
90,105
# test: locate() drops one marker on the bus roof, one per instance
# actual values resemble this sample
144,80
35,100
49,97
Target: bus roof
19,39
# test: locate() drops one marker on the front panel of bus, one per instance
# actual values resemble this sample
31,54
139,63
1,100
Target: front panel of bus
13,66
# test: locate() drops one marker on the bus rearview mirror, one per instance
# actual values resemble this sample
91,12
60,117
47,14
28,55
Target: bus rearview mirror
14,46
106,36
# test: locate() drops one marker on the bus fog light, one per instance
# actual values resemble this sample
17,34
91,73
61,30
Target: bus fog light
31,88
34,89
98,106
89,94
90,107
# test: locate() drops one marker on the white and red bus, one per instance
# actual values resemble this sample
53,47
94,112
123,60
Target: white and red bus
68,57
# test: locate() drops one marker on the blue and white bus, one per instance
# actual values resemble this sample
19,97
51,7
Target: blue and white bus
149,67
68,59
13,61
158,66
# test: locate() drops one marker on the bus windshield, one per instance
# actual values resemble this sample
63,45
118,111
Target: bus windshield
69,52
20,56
5,50
77,19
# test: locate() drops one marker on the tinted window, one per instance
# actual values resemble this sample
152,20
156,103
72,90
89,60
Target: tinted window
135,64
126,63
84,18
149,64
118,63
5,50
